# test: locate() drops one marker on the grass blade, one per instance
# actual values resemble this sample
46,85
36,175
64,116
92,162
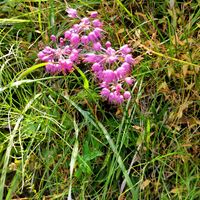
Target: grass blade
31,69
85,80
103,130
10,145
73,159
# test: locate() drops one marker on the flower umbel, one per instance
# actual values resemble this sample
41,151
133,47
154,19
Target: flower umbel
83,43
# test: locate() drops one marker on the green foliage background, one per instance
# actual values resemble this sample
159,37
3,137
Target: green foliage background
59,140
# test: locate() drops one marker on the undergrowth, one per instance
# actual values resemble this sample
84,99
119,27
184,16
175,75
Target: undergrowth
61,141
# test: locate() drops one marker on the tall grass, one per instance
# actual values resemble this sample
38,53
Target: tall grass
60,140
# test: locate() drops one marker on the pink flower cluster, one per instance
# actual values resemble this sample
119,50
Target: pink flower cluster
83,43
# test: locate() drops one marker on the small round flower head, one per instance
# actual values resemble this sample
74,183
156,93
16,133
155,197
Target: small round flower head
105,92
97,23
129,59
92,58
67,34
126,67
92,36
74,55
125,49
53,38
120,72
108,44
94,14
109,76
129,80
74,39
47,54
97,46
66,65
72,13
127,95
82,43
84,39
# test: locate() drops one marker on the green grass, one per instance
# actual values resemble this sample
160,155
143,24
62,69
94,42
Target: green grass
60,140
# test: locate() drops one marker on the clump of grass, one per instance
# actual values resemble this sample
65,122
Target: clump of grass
61,141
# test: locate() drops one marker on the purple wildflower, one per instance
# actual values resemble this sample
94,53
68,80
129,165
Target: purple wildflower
92,58
53,38
97,23
47,54
74,39
125,49
72,13
129,80
109,76
74,55
127,95
66,65
92,36
105,92
93,14
129,59
82,43
67,34
84,39
97,46
108,44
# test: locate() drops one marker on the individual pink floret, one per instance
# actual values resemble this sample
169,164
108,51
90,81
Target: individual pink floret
129,59
74,55
85,20
47,54
108,44
126,67
97,46
97,23
92,58
53,38
84,39
127,95
105,92
66,65
120,72
129,80
72,13
92,37
67,34
74,39
52,68
109,76
94,14
125,49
